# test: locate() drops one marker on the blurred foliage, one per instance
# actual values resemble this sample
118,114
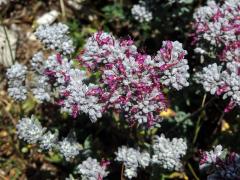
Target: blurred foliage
113,12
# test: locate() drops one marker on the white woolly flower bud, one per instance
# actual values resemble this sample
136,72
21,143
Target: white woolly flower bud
91,169
37,62
16,75
68,148
30,130
17,71
144,159
132,159
130,172
141,13
210,77
167,153
55,37
48,140
41,88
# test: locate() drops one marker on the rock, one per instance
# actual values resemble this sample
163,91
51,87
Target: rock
48,18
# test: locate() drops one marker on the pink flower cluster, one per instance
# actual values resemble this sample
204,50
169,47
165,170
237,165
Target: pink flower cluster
74,96
217,28
130,82
218,25
231,52
220,164
222,80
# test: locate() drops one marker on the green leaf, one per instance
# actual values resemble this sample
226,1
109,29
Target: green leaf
88,142
54,157
29,105
188,1
114,11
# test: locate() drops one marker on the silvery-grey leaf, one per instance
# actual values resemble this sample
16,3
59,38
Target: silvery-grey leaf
5,48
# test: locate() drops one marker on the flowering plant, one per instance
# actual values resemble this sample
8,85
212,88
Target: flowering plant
112,92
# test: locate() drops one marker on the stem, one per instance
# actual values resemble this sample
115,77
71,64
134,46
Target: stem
194,113
98,13
121,2
197,129
204,99
198,125
200,109
192,171
163,176
63,10
4,178
9,115
122,171
219,122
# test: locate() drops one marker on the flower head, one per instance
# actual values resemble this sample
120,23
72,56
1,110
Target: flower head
16,75
68,148
217,25
30,130
132,82
92,169
55,37
141,13
132,159
222,80
220,164
168,153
